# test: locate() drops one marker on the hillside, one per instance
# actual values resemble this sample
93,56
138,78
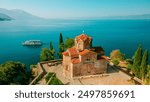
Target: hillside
19,14
4,17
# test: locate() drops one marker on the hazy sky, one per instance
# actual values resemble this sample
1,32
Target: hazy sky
78,8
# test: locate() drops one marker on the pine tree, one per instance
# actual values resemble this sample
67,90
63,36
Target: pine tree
137,61
144,65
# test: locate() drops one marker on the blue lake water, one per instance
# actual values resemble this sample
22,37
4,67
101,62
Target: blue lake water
125,35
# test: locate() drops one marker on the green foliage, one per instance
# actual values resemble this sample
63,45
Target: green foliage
54,80
52,52
51,46
137,62
61,46
47,54
115,62
61,39
144,65
147,78
13,73
130,61
48,76
32,66
69,42
44,56
116,54
129,67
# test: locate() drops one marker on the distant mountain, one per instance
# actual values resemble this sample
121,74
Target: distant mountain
4,17
19,14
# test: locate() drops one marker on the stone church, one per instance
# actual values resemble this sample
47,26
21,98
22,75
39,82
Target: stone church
82,59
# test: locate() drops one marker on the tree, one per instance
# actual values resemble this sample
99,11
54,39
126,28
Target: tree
45,55
144,65
117,54
13,73
69,42
61,39
148,75
137,61
52,51
61,46
51,46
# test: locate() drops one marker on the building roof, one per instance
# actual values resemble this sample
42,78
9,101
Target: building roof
75,60
65,53
84,37
84,52
73,52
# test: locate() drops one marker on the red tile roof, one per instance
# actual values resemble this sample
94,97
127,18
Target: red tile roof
84,37
75,61
86,51
65,53
73,52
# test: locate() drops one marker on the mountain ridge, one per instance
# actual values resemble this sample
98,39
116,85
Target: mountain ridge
4,17
18,14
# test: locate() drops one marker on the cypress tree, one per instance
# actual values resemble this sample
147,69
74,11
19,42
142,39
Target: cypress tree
61,39
61,46
52,51
148,75
51,46
144,65
137,61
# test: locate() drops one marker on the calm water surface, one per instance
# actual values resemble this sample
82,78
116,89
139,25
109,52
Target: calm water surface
125,35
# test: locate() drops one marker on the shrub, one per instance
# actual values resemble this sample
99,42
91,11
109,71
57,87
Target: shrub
116,62
117,54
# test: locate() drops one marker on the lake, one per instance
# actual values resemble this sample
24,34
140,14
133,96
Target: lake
125,35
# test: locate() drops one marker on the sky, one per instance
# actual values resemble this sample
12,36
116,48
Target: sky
79,8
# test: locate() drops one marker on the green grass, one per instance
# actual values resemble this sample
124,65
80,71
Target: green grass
54,79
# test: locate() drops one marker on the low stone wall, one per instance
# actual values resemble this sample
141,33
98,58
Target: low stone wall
42,71
40,75
36,79
50,79
137,80
91,76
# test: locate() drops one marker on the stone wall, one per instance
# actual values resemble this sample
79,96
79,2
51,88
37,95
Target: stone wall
67,66
90,68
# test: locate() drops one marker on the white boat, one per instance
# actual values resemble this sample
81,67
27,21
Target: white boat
32,43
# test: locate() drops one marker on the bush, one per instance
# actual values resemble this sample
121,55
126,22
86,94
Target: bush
13,73
115,62
117,54
55,81
129,67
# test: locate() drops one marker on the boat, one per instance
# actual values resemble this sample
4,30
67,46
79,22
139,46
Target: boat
32,43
